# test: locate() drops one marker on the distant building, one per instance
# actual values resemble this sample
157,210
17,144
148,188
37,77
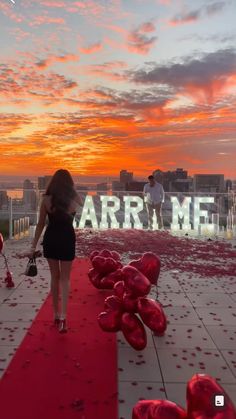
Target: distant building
29,195
181,185
135,186
3,198
168,179
43,182
209,183
228,185
103,187
117,186
126,177
81,188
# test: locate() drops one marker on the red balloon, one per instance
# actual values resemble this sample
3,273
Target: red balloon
107,283
141,409
149,265
134,331
158,409
129,303
201,392
152,314
135,282
1,242
113,303
164,409
104,265
93,254
119,288
110,321
105,253
115,255
95,278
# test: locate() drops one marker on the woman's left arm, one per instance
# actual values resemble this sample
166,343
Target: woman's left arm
40,226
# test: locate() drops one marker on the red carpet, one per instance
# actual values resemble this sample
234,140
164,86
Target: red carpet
54,376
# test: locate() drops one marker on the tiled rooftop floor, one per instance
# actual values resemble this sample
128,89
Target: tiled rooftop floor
200,338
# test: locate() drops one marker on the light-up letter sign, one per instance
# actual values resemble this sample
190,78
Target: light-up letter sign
132,211
201,213
109,210
88,213
180,211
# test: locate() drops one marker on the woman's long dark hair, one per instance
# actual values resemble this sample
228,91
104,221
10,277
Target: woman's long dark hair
62,190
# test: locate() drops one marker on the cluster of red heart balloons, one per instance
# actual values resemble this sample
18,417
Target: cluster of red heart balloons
130,284
203,392
106,269
8,279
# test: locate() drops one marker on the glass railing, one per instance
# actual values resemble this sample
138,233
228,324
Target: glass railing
196,213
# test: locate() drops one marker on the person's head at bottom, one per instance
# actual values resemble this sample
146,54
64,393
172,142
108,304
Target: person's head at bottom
151,180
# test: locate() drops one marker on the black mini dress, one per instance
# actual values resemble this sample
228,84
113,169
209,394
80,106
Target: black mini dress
59,237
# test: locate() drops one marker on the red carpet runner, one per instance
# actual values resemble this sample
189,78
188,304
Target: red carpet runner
54,376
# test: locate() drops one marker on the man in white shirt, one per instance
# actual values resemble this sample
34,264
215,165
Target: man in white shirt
154,193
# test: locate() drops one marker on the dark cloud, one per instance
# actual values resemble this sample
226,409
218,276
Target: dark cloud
138,40
197,71
216,7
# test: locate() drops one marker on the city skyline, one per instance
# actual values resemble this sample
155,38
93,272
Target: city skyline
98,86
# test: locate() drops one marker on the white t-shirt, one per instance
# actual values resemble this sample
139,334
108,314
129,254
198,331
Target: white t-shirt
154,194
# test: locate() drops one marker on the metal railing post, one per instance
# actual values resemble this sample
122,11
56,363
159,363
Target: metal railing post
10,219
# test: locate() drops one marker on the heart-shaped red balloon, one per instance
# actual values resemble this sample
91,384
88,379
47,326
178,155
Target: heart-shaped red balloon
93,254
201,392
141,409
134,331
129,303
149,264
105,253
165,409
115,255
110,321
158,409
152,314
113,303
104,265
119,289
135,282
95,278
107,283
1,242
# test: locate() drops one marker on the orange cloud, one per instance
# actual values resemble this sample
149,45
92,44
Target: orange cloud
46,20
92,48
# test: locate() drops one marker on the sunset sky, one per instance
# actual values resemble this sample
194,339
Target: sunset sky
100,86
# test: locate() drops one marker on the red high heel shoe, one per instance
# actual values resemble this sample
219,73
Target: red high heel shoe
62,327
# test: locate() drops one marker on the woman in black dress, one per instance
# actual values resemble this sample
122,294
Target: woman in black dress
59,203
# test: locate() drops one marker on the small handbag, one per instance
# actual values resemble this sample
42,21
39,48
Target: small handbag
31,268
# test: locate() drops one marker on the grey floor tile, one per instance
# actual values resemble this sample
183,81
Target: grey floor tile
182,315
179,365
131,392
18,312
223,336
203,285
138,365
31,295
171,299
6,354
176,392
12,333
184,336
211,300
230,357
231,391
220,316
